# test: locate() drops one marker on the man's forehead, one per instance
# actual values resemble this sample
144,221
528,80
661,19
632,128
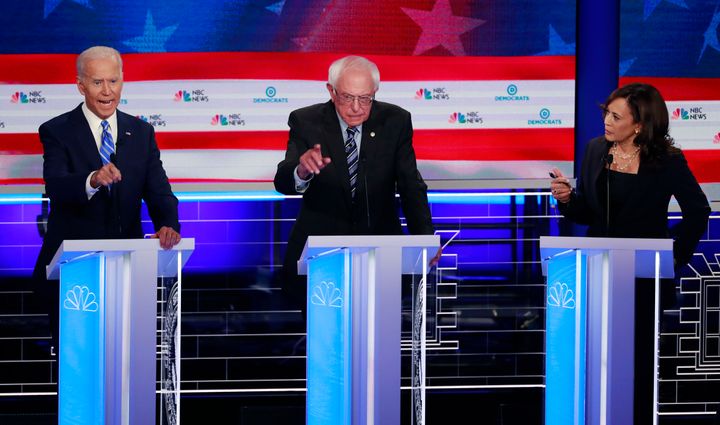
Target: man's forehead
356,83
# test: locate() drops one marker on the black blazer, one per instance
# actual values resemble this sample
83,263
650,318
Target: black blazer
70,155
387,164
646,213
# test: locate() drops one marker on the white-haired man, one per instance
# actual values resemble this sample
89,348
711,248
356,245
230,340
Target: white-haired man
98,164
347,157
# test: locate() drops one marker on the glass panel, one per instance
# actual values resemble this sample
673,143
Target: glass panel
169,314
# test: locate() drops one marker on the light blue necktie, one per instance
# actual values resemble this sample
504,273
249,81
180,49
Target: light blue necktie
107,147
351,151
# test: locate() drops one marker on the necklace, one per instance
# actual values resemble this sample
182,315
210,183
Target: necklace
624,159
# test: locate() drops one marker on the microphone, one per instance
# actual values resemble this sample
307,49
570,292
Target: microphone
367,189
113,196
608,161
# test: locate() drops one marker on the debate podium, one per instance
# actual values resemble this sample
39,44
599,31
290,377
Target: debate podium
108,330
590,316
354,326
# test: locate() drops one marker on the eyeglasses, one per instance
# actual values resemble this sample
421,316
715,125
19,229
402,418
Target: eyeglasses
348,98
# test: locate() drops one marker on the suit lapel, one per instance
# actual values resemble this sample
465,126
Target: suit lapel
85,139
370,130
336,148
124,136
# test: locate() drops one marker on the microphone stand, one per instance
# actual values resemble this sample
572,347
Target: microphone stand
367,196
114,201
608,161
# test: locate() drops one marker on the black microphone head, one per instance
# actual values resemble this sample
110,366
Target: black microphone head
609,159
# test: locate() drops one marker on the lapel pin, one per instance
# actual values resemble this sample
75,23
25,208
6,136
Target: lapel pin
127,133
372,134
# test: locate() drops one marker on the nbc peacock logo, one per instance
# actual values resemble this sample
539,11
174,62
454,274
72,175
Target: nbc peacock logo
457,117
32,96
436,93
80,298
560,295
156,120
680,114
423,94
716,139
182,96
469,117
19,97
219,119
327,295
691,113
196,95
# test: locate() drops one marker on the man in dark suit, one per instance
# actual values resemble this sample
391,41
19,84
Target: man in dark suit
347,157
99,164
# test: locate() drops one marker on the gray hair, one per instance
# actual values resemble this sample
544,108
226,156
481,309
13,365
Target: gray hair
96,52
338,67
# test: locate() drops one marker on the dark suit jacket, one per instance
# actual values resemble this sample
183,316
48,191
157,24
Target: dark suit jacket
645,214
387,164
70,155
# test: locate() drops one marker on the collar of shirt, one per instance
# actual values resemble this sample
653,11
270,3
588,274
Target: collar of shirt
344,127
95,123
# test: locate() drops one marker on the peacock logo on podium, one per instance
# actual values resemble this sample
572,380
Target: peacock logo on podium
80,298
559,295
325,293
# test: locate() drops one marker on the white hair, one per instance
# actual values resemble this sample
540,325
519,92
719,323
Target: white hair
96,52
338,67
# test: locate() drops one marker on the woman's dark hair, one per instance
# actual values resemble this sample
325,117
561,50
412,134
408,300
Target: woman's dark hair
649,109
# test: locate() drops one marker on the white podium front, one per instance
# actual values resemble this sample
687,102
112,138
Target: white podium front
353,326
108,328
590,317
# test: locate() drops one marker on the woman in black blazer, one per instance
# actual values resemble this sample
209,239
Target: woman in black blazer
626,181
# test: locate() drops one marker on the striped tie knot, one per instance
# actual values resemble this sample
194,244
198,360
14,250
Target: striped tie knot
351,151
107,147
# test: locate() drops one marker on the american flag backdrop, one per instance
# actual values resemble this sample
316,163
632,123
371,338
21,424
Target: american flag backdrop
673,44
490,84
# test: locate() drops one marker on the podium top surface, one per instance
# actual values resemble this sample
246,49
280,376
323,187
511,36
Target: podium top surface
635,244
374,241
644,250
410,244
71,249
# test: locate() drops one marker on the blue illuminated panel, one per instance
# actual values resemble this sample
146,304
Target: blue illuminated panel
565,342
329,338
81,395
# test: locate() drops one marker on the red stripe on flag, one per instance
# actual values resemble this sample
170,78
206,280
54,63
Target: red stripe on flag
20,143
704,164
675,89
259,140
459,145
495,144
22,181
34,181
60,68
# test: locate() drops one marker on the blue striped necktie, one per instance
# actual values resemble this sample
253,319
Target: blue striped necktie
351,151
107,147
